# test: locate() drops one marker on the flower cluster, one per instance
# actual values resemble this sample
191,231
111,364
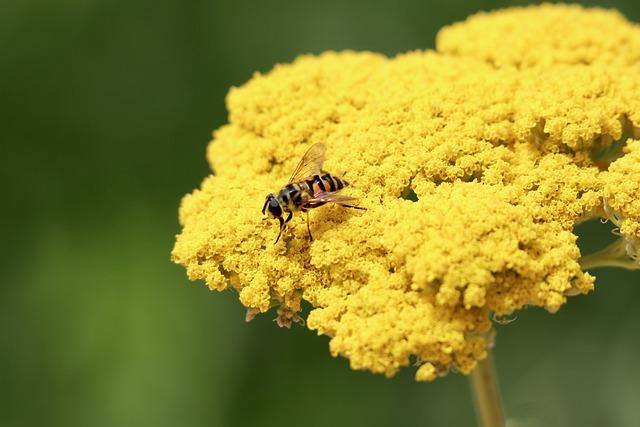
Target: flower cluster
474,161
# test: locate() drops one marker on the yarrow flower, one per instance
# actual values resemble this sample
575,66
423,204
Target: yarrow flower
474,160
620,205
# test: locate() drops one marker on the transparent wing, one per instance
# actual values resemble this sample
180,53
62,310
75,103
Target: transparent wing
330,197
310,164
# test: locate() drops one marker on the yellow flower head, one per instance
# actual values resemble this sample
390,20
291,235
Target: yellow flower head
474,162
621,199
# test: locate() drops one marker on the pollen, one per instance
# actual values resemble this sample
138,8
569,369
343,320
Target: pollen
475,161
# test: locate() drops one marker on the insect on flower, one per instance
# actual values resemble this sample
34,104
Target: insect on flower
309,187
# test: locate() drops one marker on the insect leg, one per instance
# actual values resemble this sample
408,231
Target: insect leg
353,207
308,228
281,228
283,224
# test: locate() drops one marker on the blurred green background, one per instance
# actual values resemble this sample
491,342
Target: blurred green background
106,109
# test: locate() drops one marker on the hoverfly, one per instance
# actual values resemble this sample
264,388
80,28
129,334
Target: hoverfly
309,187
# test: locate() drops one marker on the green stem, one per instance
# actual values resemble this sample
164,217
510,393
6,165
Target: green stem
614,255
486,394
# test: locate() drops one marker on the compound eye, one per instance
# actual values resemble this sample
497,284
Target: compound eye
274,208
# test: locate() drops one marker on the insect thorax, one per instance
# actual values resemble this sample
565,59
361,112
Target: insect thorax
292,196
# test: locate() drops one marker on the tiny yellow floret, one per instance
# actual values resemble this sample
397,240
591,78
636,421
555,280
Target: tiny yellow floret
475,162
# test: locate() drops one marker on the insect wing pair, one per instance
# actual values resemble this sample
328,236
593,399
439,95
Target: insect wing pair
311,165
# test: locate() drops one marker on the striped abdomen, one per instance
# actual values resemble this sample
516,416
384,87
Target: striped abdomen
293,196
326,183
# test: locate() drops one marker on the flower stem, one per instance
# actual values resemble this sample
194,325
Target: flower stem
614,255
486,395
